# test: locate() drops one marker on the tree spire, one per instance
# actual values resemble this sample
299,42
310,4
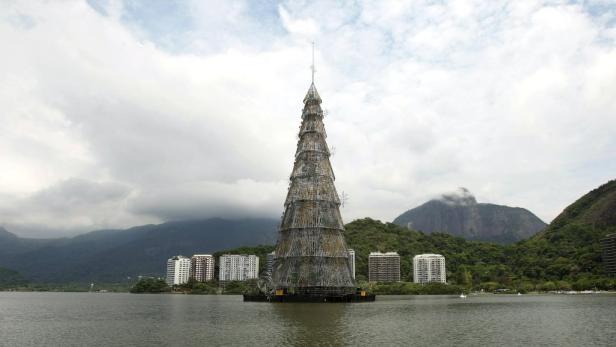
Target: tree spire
312,66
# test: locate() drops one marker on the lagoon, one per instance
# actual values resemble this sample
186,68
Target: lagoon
117,319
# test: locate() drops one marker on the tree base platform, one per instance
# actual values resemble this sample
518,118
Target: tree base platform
306,298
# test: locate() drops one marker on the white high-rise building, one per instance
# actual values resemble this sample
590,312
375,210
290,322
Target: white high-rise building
352,262
178,270
202,267
238,267
429,268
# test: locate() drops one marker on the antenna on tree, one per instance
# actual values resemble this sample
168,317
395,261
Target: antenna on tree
312,66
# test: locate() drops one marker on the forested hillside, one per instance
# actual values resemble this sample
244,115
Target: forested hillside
569,249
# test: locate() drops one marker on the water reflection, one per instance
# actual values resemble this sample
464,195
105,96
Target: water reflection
310,324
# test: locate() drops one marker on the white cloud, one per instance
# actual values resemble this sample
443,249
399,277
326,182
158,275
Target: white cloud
306,28
196,115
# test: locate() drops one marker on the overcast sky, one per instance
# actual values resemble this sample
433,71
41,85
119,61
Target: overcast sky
121,113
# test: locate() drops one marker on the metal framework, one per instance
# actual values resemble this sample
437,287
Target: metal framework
311,254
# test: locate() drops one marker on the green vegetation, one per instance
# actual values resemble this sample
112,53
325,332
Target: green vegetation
533,265
409,288
569,249
367,235
154,285
68,287
11,279
565,256
150,285
469,263
194,287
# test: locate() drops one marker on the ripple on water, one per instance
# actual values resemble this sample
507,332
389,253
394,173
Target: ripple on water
77,319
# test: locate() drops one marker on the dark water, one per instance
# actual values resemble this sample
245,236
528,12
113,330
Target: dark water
71,319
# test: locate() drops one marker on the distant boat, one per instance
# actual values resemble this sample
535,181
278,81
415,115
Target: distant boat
519,294
462,296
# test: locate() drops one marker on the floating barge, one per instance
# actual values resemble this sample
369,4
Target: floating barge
358,297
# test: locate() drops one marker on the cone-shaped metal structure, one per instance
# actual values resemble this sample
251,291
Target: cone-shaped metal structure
311,254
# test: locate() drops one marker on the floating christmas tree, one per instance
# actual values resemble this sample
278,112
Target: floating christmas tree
311,254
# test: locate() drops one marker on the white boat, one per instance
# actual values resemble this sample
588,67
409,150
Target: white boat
462,296
519,294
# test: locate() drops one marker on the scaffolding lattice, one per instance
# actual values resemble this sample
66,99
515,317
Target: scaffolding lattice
311,254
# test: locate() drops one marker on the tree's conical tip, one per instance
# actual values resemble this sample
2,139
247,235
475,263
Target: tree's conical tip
312,94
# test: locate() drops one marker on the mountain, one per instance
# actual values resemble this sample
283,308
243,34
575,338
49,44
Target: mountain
596,209
459,214
570,246
12,244
116,255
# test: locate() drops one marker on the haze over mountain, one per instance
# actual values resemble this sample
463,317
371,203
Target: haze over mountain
460,214
116,255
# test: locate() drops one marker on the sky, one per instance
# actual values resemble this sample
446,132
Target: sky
120,113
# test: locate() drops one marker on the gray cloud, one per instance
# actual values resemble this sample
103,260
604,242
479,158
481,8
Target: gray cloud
74,192
112,119
244,198
67,207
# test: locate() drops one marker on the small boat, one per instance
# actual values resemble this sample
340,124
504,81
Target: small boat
462,296
519,294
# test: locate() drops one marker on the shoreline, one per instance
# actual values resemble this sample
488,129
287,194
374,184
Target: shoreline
471,294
